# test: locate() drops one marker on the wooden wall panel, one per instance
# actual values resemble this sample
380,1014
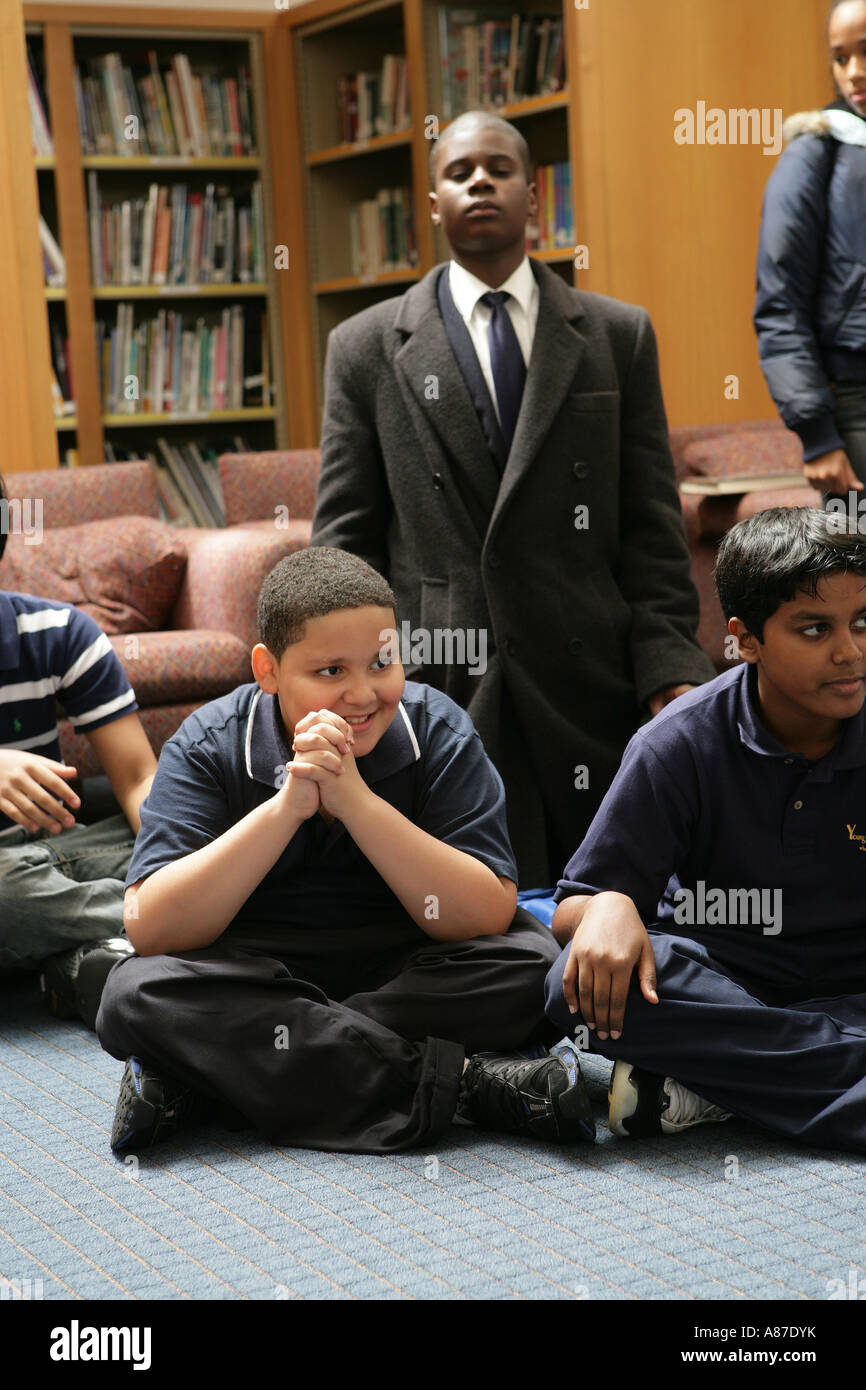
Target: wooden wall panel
675,227
29,437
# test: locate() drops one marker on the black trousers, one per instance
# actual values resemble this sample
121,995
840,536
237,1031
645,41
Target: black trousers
348,1039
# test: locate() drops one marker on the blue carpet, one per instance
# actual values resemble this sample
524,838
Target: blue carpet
723,1212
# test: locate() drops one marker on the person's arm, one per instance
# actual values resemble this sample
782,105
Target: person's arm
654,572
127,759
352,499
448,893
612,885
190,901
790,251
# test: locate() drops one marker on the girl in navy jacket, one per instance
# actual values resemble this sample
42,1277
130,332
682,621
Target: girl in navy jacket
810,312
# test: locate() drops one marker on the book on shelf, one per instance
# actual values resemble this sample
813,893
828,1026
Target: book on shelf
382,233
60,363
187,479
374,103
40,131
177,237
53,260
178,364
553,226
169,111
492,57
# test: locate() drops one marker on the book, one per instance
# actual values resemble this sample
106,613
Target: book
735,483
53,261
40,131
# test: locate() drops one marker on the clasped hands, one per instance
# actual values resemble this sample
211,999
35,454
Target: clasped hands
323,774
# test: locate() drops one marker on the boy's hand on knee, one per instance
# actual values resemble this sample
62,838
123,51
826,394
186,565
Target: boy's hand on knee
609,944
33,792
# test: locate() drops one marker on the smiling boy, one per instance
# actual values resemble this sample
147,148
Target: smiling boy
323,903
754,782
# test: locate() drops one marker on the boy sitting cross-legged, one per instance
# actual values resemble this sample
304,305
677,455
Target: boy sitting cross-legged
323,902
715,912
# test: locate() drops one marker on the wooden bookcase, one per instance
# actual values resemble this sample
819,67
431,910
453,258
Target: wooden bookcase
329,38
65,36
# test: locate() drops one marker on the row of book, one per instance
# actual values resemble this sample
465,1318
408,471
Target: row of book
174,365
174,237
146,112
187,479
40,130
490,57
554,225
374,103
382,233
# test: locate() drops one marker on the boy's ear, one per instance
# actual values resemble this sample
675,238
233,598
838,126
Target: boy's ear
434,209
264,668
747,643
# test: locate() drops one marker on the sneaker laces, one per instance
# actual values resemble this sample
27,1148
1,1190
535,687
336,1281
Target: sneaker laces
686,1108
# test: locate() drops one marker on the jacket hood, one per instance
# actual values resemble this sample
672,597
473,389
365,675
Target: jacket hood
845,126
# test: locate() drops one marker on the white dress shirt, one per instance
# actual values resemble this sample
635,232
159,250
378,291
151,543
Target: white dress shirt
522,308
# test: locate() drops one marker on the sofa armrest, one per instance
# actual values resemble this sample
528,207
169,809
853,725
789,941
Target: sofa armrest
224,574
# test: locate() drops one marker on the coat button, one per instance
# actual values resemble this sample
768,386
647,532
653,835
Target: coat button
798,805
575,646
789,762
437,480
493,560
580,470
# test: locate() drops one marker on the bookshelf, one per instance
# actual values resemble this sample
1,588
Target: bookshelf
160,194
330,40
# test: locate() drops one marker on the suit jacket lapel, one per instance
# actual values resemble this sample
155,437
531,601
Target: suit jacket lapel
450,417
557,349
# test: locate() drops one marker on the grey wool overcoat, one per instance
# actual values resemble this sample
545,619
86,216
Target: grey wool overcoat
573,562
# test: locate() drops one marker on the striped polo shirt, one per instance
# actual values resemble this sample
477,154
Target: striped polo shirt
52,652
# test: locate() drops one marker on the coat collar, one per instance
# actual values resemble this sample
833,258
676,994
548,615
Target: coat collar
425,363
266,748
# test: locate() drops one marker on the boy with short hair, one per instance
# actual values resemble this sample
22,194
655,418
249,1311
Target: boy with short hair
322,899
715,911
61,882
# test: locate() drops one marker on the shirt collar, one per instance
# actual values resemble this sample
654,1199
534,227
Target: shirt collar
467,289
266,748
10,638
849,752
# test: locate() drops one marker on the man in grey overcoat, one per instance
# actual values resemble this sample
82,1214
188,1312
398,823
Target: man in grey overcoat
504,462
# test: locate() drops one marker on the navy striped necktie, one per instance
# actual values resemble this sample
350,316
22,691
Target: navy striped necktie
506,361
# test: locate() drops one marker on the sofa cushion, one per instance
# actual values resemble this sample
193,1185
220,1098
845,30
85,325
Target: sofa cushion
126,572
166,668
754,451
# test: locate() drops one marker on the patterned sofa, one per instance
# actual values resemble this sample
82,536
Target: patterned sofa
258,488
204,651
755,446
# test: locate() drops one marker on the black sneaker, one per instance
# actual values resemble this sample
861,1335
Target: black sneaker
641,1103
151,1108
73,980
546,1098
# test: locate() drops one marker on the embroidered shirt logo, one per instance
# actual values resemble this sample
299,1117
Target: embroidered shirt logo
860,840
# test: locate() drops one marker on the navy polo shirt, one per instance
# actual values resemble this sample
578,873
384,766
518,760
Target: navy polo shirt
706,798
229,757
52,652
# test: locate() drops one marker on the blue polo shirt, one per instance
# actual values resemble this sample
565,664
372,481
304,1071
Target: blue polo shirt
229,757
49,653
706,798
